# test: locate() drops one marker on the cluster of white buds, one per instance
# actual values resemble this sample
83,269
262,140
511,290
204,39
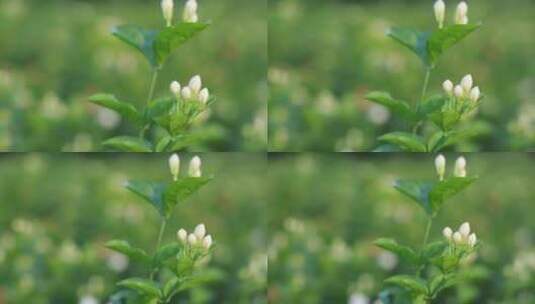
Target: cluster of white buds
193,91
194,166
461,236
197,238
461,15
464,89
174,165
168,9
440,12
459,170
190,12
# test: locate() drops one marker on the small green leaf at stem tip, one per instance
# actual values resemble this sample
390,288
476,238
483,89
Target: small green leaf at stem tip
164,253
128,144
418,191
109,101
143,286
125,248
404,252
407,141
399,107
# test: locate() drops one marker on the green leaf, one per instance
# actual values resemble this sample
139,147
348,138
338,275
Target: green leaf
181,189
411,283
444,38
414,40
127,144
431,105
159,107
173,37
403,252
448,188
152,192
141,39
417,191
143,286
432,250
170,286
406,141
441,281
109,101
163,143
132,252
396,106
164,253
180,142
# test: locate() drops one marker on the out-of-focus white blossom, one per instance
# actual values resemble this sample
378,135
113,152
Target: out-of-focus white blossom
460,167
475,93
440,12
447,233
175,88
440,165
458,91
195,167
182,236
174,166
448,87
467,82
167,10
190,12
461,15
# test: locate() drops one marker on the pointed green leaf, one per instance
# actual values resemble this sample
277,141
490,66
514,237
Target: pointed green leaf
447,37
181,189
173,37
143,286
109,101
407,141
448,188
414,40
163,143
152,192
396,106
170,286
165,252
132,252
411,283
432,250
141,39
417,191
127,144
404,252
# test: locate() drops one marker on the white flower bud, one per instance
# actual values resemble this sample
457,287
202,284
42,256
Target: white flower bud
195,167
447,233
460,167
190,11
465,230
472,240
458,91
467,82
440,12
475,94
175,88
204,96
461,13
440,165
182,235
448,87
207,242
195,84
167,9
192,239
200,231
174,165
186,93
457,237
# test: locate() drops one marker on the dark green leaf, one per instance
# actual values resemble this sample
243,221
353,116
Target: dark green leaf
417,191
159,107
164,253
141,39
172,38
152,192
403,252
170,286
181,189
411,283
109,101
396,106
414,40
431,105
125,248
446,37
432,250
407,141
448,188
143,286
163,143
127,144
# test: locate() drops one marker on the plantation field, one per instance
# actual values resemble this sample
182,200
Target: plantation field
326,211
58,211
55,54
325,56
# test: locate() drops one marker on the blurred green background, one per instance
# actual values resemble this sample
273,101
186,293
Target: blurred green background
326,211
56,53
58,211
325,56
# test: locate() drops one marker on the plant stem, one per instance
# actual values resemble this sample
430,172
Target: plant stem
427,231
152,85
160,237
424,89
